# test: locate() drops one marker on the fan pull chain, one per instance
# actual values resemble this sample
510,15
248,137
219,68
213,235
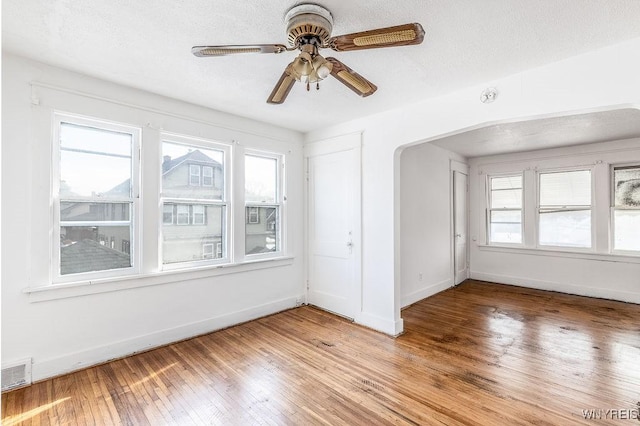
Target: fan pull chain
317,85
307,86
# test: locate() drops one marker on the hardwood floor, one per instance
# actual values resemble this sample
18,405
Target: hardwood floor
476,354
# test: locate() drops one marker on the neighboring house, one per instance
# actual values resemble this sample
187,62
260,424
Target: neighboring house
260,229
191,231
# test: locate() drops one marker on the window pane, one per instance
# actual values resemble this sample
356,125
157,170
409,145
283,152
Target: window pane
94,248
565,188
94,212
627,186
627,230
565,228
506,198
261,176
94,175
261,236
506,182
506,227
182,170
91,139
187,243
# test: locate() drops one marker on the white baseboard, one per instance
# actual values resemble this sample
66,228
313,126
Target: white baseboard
602,293
383,325
78,360
425,292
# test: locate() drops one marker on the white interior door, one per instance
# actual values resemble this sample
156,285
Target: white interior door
334,230
461,263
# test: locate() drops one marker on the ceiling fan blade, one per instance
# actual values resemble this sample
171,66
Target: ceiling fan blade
283,87
401,35
205,51
351,79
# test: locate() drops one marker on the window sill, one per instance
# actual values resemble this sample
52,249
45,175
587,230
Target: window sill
601,257
82,288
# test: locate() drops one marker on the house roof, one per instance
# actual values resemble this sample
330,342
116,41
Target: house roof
88,255
195,156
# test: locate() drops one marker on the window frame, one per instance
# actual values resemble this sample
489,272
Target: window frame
591,209
58,118
225,202
490,209
613,209
279,204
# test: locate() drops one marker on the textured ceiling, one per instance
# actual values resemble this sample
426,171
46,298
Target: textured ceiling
545,133
146,44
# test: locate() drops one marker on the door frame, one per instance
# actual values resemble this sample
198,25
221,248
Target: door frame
460,167
347,142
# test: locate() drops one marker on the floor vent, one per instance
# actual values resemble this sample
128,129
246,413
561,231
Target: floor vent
16,375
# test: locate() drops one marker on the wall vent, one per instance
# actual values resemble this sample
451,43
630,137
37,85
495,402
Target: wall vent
16,374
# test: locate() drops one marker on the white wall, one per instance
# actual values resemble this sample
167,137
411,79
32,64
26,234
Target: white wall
66,329
425,221
595,273
597,80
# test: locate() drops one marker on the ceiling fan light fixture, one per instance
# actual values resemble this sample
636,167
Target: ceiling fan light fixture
322,67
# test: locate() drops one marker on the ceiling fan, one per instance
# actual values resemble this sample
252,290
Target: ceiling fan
308,29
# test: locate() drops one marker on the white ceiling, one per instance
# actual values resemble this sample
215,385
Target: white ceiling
146,44
542,133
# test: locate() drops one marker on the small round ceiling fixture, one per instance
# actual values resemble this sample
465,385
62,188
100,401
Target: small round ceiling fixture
488,95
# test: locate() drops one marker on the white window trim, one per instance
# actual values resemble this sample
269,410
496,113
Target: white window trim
225,203
280,204
592,248
58,118
489,209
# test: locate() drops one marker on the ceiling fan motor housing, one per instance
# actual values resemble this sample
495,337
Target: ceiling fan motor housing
308,23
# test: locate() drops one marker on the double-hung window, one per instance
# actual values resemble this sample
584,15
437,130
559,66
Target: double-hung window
94,197
564,209
194,205
263,203
626,208
505,209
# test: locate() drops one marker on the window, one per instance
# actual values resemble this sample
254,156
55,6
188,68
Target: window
194,175
207,251
207,176
202,204
183,214
167,214
505,209
263,204
253,215
197,215
94,196
626,208
565,209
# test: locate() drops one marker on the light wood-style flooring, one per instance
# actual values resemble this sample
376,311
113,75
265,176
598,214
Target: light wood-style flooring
475,354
